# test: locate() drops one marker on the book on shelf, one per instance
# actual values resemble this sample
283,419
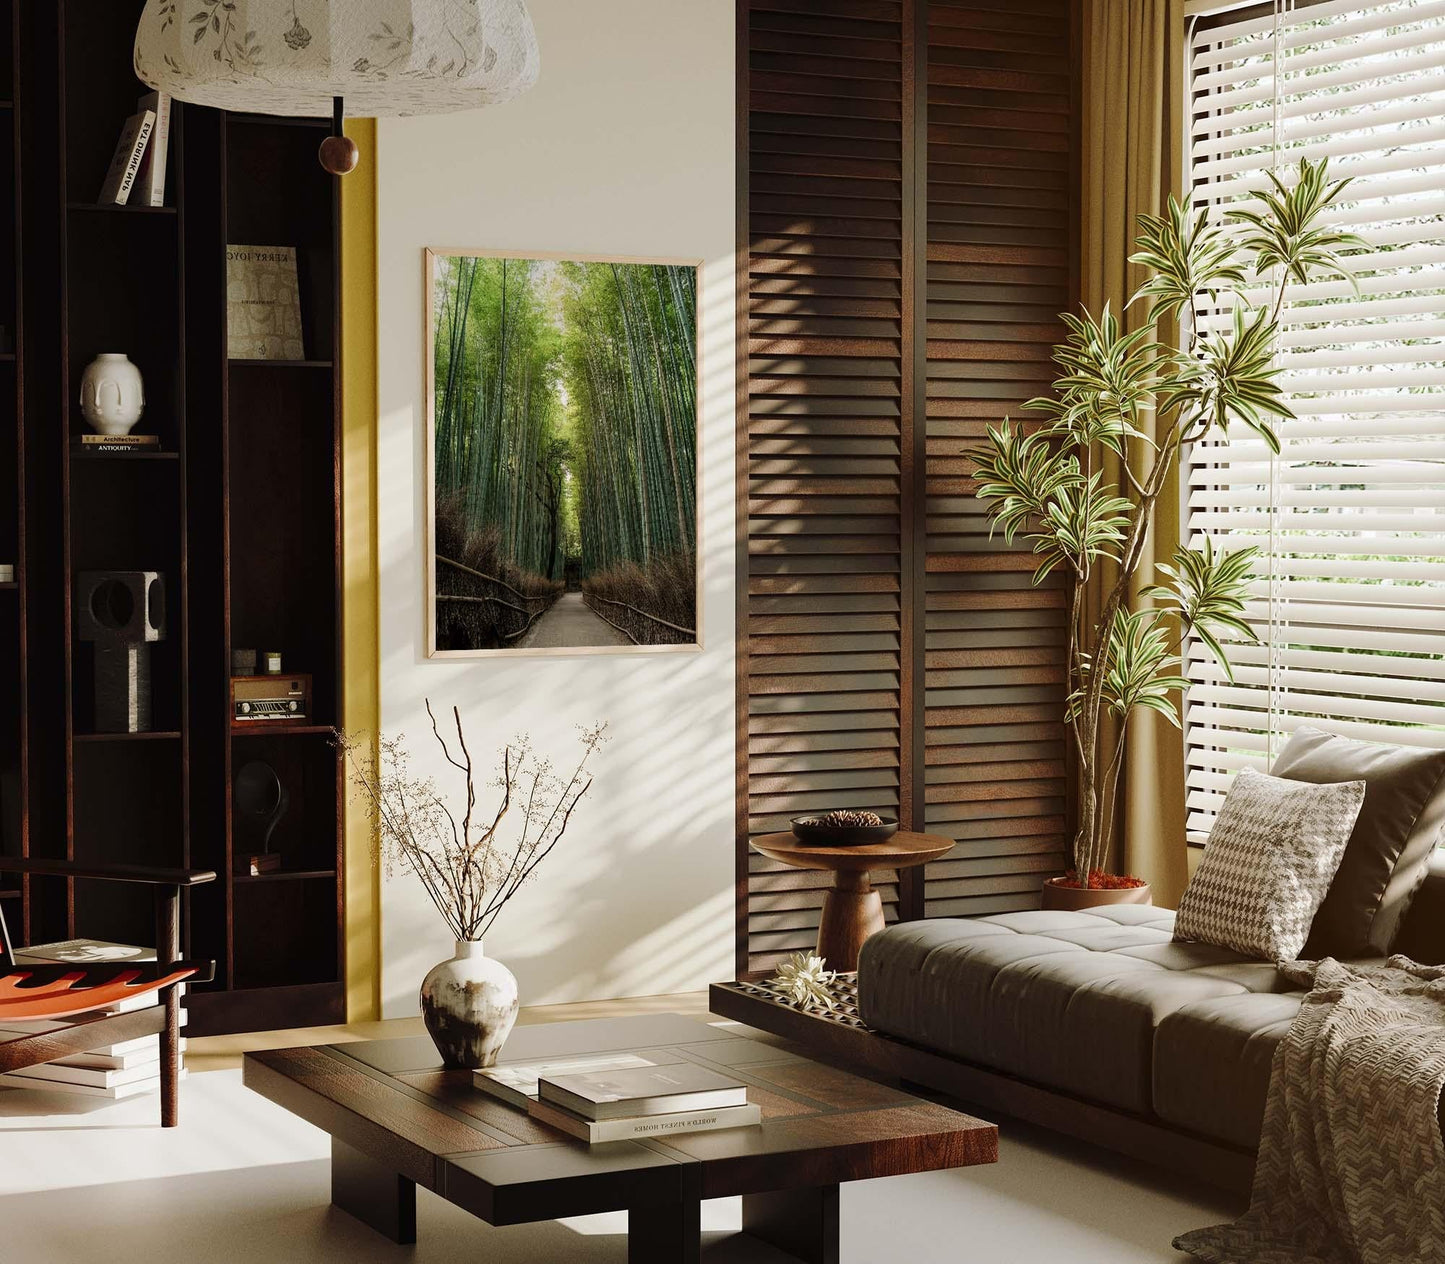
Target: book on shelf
146,1057
516,1082
256,864
116,1057
89,441
129,149
263,304
626,1093
150,179
86,952
597,1131
22,1079
90,1077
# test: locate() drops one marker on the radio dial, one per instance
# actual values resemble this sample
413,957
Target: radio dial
245,708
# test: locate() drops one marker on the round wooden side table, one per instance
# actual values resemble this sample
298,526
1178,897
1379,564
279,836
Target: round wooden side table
852,909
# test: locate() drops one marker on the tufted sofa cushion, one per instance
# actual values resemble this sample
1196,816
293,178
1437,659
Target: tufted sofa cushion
1099,1004
1212,1062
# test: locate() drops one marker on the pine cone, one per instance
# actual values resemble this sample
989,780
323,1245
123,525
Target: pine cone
847,819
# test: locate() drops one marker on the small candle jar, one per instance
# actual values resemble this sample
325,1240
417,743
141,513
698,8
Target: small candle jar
271,662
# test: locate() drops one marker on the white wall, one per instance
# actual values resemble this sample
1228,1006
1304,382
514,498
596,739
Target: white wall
624,146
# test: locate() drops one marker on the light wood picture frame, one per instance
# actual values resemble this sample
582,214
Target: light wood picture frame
562,457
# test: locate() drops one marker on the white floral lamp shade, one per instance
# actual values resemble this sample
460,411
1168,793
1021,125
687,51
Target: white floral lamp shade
382,57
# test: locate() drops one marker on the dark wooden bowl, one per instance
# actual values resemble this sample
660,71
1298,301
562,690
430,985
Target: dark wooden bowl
845,836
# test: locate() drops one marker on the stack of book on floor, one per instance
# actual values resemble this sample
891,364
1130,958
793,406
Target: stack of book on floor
124,1069
610,1097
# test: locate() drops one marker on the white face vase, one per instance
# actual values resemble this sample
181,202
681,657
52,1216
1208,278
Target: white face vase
112,396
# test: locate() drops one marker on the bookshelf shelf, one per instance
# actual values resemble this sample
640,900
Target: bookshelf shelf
152,735
289,875
281,364
125,456
102,208
267,729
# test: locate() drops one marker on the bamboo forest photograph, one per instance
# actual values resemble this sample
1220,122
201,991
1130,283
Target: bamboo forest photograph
563,454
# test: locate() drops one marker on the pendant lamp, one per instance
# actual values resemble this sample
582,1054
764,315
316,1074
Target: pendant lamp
376,58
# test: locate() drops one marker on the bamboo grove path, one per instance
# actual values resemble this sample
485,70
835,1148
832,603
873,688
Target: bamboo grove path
571,623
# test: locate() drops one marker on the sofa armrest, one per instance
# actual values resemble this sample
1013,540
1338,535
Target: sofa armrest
146,874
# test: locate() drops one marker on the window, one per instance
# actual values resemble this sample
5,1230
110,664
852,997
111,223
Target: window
1350,518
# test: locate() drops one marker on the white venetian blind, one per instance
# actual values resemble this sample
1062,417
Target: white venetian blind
1350,606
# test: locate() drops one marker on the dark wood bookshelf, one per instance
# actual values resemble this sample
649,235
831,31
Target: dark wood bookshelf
14,713
239,509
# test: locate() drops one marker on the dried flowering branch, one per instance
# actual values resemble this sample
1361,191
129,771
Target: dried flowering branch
468,869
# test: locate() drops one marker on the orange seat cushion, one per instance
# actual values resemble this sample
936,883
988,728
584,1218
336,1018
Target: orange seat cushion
71,995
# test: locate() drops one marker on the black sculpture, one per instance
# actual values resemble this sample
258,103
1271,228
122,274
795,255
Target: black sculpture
122,613
260,801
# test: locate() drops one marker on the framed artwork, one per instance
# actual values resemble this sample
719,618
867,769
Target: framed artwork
562,460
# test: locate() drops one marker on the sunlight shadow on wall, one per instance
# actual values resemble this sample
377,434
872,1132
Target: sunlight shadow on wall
625,147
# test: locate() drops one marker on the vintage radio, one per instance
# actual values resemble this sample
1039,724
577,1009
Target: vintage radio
268,699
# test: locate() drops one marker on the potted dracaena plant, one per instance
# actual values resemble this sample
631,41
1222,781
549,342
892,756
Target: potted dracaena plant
1047,483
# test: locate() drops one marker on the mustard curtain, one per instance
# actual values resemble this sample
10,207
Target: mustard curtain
1133,150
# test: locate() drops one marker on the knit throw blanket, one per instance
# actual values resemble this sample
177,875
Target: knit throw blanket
1351,1166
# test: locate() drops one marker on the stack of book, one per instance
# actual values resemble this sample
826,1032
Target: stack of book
127,444
118,1070
139,161
611,1097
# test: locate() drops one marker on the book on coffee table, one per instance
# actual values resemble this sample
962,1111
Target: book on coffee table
596,1131
516,1082
623,1093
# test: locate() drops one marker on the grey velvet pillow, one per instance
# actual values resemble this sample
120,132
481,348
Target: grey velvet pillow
1389,850
1273,850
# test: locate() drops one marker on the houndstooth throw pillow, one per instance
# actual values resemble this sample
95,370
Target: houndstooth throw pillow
1269,862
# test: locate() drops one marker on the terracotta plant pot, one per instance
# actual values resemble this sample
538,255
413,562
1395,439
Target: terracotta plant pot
1071,899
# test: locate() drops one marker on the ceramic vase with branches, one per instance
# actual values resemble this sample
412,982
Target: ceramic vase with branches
1047,484
471,863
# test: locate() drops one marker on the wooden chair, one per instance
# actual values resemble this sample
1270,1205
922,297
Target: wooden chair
63,990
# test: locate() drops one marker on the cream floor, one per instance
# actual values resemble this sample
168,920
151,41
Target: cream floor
244,1182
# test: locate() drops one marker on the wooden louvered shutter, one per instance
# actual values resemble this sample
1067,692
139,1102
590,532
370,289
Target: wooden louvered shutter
999,250
826,426
880,207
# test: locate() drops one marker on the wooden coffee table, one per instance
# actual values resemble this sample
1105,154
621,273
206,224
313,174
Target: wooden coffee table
852,909
398,1120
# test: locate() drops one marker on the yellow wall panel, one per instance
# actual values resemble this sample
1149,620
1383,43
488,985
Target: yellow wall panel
360,669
